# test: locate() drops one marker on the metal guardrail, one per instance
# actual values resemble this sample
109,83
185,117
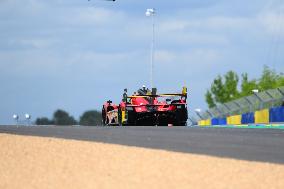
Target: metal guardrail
257,101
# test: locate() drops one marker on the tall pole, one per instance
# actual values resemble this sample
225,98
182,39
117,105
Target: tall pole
152,12
152,52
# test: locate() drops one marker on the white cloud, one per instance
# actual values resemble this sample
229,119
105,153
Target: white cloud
189,61
22,7
227,23
33,43
272,22
165,56
91,16
33,63
214,31
173,25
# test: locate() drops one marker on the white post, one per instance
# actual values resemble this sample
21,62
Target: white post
198,111
151,12
16,118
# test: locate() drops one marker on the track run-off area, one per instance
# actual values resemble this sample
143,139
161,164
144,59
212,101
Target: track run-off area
141,157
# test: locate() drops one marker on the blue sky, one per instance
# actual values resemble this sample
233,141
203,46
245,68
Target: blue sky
76,54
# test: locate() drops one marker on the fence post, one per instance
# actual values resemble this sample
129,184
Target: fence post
211,115
250,104
282,94
272,98
260,100
240,107
220,112
225,105
198,111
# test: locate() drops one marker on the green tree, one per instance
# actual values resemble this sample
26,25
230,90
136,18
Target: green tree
61,117
209,99
269,79
91,118
223,89
43,121
280,81
218,90
231,86
247,86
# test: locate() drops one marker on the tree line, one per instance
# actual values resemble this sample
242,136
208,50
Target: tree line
227,88
61,117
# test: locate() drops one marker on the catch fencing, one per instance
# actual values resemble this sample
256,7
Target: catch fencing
246,105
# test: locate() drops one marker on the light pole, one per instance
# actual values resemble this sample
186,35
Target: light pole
28,117
198,112
16,118
255,92
152,12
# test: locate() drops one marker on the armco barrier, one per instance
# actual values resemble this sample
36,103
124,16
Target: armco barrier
248,118
234,120
262,116
276,114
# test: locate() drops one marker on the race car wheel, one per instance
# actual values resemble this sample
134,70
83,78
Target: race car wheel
107,121
103,116
119,116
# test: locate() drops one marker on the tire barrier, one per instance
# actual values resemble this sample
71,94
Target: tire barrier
265,116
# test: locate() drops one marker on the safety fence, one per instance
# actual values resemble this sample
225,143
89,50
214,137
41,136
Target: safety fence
264,116
255,102
259,108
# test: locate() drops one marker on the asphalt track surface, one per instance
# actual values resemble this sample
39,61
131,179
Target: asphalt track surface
264,145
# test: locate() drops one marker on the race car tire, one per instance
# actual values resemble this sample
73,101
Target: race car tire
119,116
103,116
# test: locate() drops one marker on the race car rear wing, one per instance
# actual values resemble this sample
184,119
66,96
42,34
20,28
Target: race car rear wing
152,105
154,95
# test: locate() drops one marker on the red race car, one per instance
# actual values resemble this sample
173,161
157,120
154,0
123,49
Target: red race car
146,108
